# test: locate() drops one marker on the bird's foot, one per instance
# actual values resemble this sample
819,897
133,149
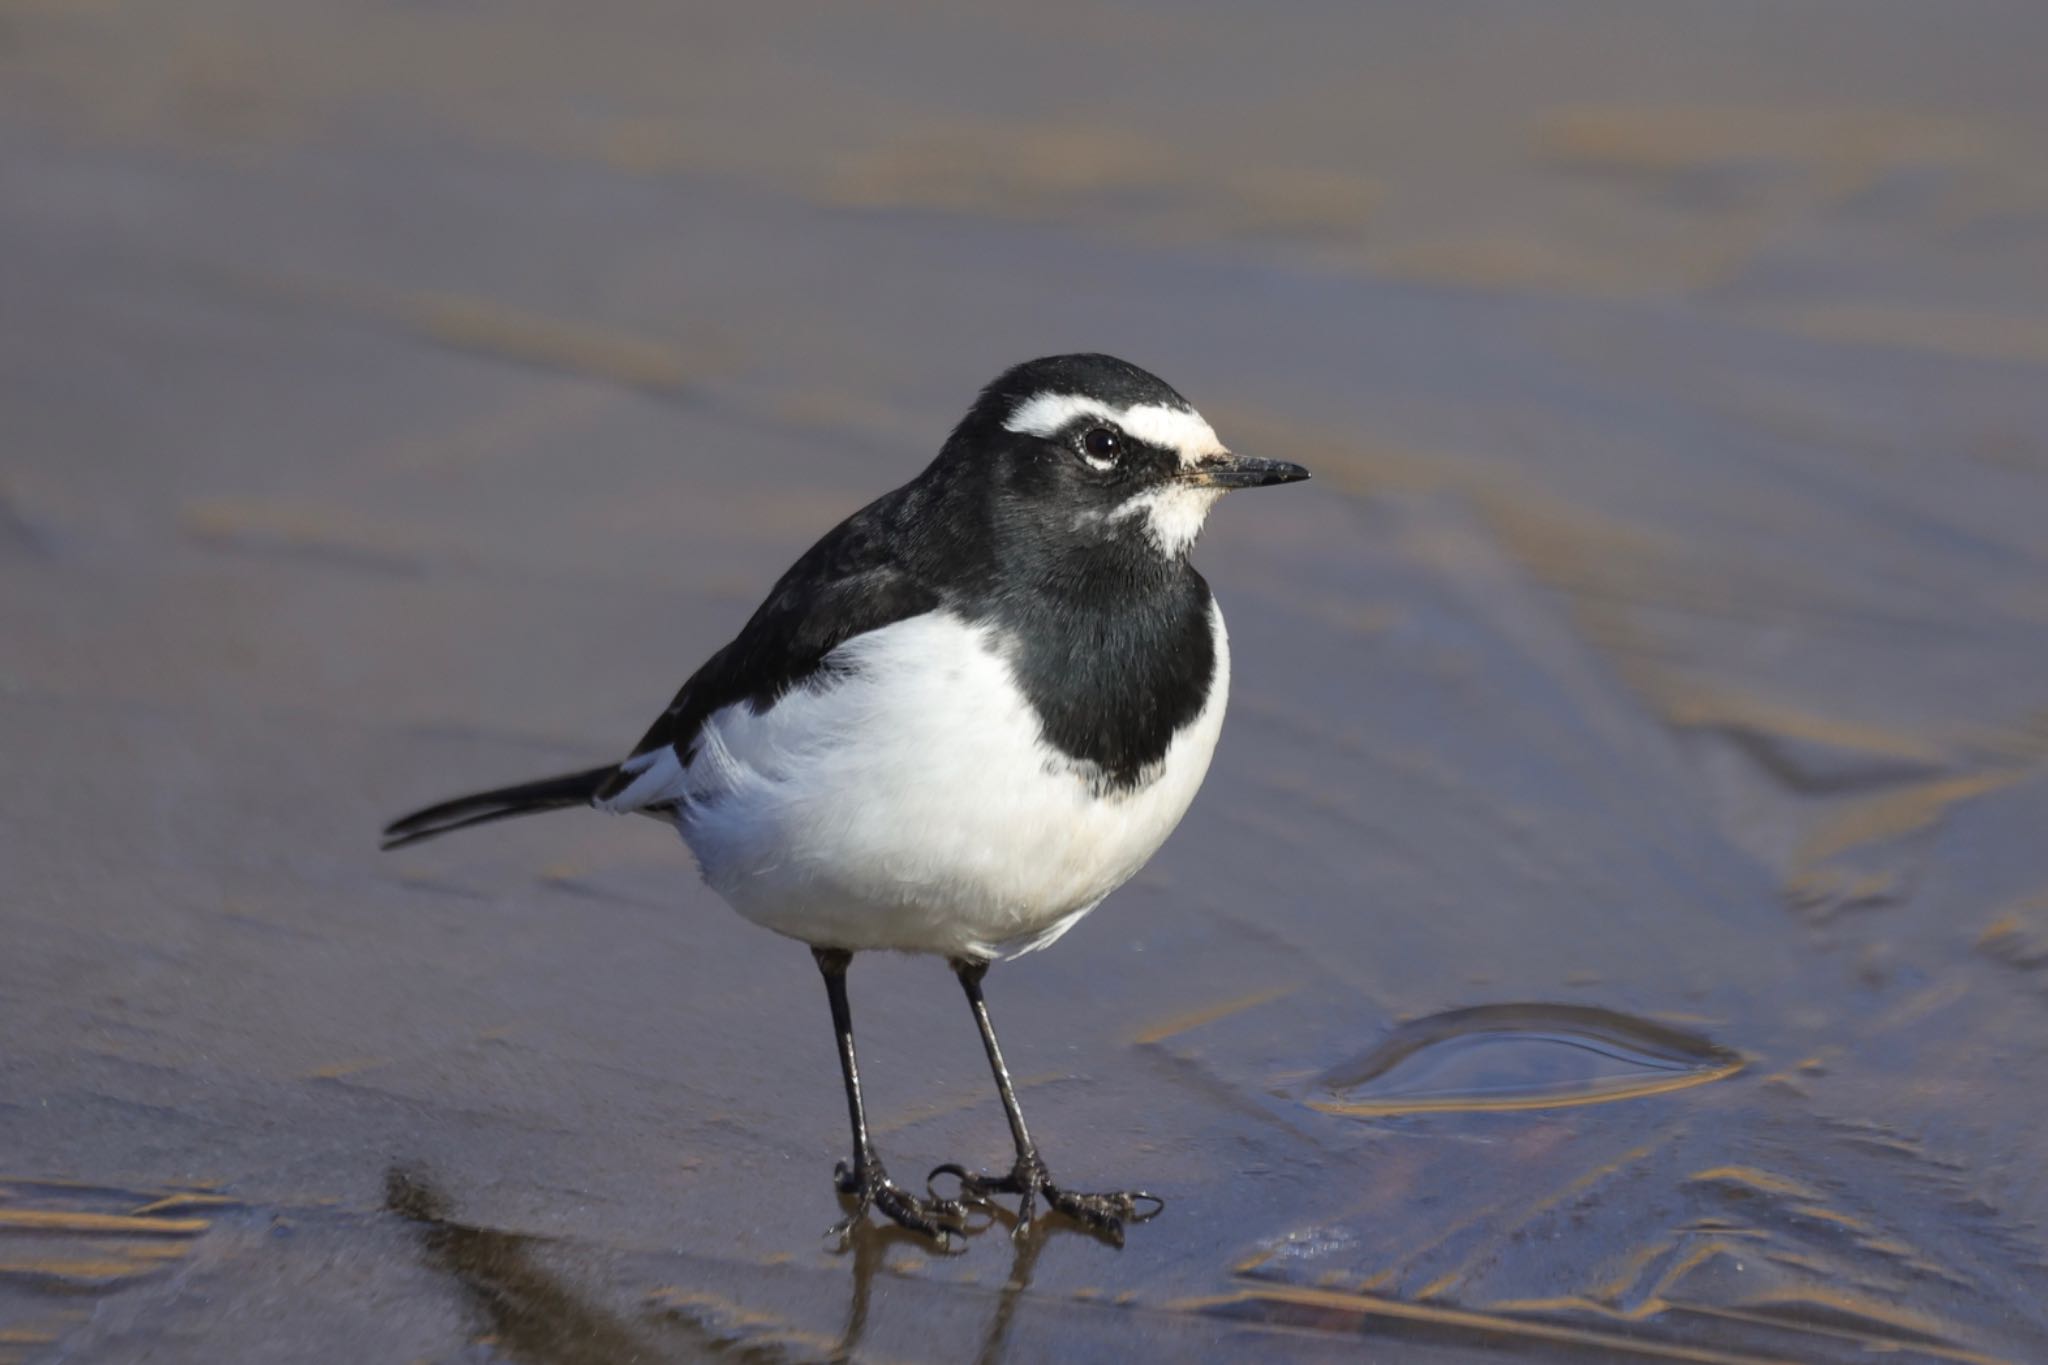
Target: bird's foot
1102,1214
871,1188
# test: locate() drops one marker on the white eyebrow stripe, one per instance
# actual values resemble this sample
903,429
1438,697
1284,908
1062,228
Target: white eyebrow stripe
1047,414
1177,429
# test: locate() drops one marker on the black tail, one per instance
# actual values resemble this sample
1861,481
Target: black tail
550,793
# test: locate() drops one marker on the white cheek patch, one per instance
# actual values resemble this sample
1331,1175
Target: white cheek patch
1177,429
1173,514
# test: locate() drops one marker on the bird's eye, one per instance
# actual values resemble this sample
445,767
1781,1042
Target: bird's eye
1101,443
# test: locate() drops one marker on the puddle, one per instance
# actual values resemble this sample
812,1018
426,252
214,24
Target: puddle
1521,1056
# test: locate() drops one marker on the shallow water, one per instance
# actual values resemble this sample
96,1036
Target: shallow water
1616,923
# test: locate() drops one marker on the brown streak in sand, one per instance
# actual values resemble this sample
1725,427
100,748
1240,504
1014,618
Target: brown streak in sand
1895,814
1209,1014
1367,1306
55,1220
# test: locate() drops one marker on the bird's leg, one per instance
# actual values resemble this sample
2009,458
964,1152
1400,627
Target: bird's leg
1104,1214
864,1177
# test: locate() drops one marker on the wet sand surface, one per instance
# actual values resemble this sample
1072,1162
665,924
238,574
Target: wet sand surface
1616,923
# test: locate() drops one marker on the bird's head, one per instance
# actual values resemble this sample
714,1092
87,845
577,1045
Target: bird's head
1091,451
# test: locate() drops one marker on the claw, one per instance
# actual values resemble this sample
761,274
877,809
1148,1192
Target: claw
1102,1214
974,1189
871,1188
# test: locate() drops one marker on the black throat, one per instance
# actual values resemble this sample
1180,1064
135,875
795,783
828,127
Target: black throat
1115,667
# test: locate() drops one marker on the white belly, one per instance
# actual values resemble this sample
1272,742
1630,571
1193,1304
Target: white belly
913,805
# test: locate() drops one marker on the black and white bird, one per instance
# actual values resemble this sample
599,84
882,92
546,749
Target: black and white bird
964,717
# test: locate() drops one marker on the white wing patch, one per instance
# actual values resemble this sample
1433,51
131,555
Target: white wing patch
1181,430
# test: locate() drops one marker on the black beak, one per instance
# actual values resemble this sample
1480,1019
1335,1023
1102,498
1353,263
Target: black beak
1242,471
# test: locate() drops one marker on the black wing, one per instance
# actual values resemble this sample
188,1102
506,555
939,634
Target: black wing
849,583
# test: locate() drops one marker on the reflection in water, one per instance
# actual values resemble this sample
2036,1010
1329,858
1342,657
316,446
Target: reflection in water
1025,1250
1532,1056
870,1246
533,1315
